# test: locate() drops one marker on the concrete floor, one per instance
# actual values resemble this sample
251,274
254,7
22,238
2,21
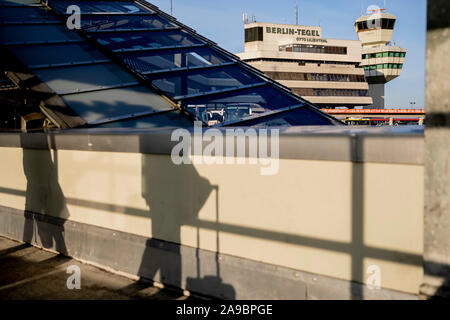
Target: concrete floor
30,273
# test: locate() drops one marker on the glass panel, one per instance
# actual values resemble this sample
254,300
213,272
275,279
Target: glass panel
154,61
56,54
25,15
205,81
96,23
81,78
107,104
16,2
163,120
143,40
298,117
99,6
385,54
236,105
36,33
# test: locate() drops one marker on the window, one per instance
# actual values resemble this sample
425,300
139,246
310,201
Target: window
379,55
397,54
385,54
254,34
391,54
387,23
314,49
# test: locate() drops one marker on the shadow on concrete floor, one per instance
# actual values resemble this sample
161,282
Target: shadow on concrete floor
29,273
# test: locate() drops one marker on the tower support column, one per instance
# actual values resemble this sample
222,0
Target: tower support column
377,93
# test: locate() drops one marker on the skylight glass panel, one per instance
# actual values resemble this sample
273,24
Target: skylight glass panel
162,120
303,116
189,83
26,15
177,58
56,54
18,2
234,106
104,23
106,105
20,34
90,77
144,40
99,6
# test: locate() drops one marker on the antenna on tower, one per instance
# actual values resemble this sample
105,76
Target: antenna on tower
296,14
171,8
245,17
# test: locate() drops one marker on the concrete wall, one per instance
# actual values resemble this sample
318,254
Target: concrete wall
437,156
327,217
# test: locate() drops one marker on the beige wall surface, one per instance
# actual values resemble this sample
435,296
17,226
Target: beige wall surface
326,217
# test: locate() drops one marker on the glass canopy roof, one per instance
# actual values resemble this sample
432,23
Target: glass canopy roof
132,60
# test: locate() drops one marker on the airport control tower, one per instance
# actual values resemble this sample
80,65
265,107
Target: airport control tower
381,60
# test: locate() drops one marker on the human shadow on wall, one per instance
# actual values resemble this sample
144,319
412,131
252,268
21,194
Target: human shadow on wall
45,201
175,195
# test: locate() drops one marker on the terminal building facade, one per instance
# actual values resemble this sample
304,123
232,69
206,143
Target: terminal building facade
326,72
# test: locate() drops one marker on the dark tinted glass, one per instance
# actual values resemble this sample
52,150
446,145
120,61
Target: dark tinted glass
236,105
98,23
254,34
154,61
144,40
188,83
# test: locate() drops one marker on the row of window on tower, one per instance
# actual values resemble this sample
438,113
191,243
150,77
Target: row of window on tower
384,66
383,23
386,54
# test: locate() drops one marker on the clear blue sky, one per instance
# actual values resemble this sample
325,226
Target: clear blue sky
221,21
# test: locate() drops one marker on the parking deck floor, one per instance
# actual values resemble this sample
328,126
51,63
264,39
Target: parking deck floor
29,273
